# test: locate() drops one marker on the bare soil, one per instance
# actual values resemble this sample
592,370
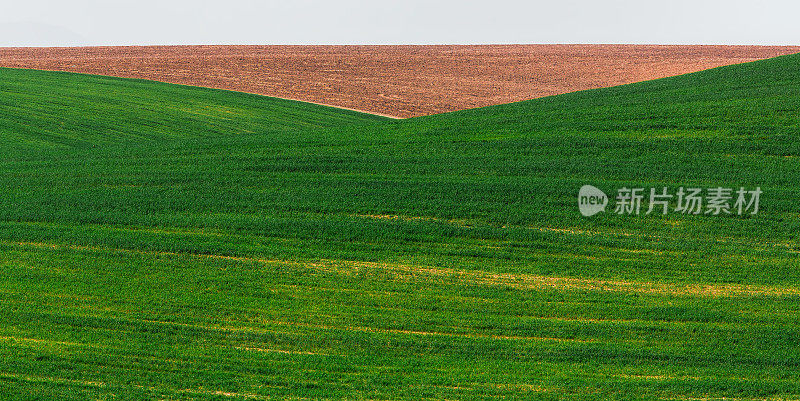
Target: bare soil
401,81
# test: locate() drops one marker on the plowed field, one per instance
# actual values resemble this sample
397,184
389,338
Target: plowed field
400,81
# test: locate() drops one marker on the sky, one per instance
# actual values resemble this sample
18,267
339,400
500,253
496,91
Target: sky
153,22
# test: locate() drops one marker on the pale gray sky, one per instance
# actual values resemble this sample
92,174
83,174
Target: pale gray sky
141,22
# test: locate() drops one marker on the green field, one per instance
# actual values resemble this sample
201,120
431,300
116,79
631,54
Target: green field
169,242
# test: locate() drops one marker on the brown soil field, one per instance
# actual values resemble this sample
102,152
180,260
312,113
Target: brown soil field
400,81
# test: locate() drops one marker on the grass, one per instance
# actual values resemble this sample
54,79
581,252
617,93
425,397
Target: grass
286,250
46,110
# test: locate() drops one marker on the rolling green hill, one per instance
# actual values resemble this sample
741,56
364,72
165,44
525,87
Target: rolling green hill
41,109
290,250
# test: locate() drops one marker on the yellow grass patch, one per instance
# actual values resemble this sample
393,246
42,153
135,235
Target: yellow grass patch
523,281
